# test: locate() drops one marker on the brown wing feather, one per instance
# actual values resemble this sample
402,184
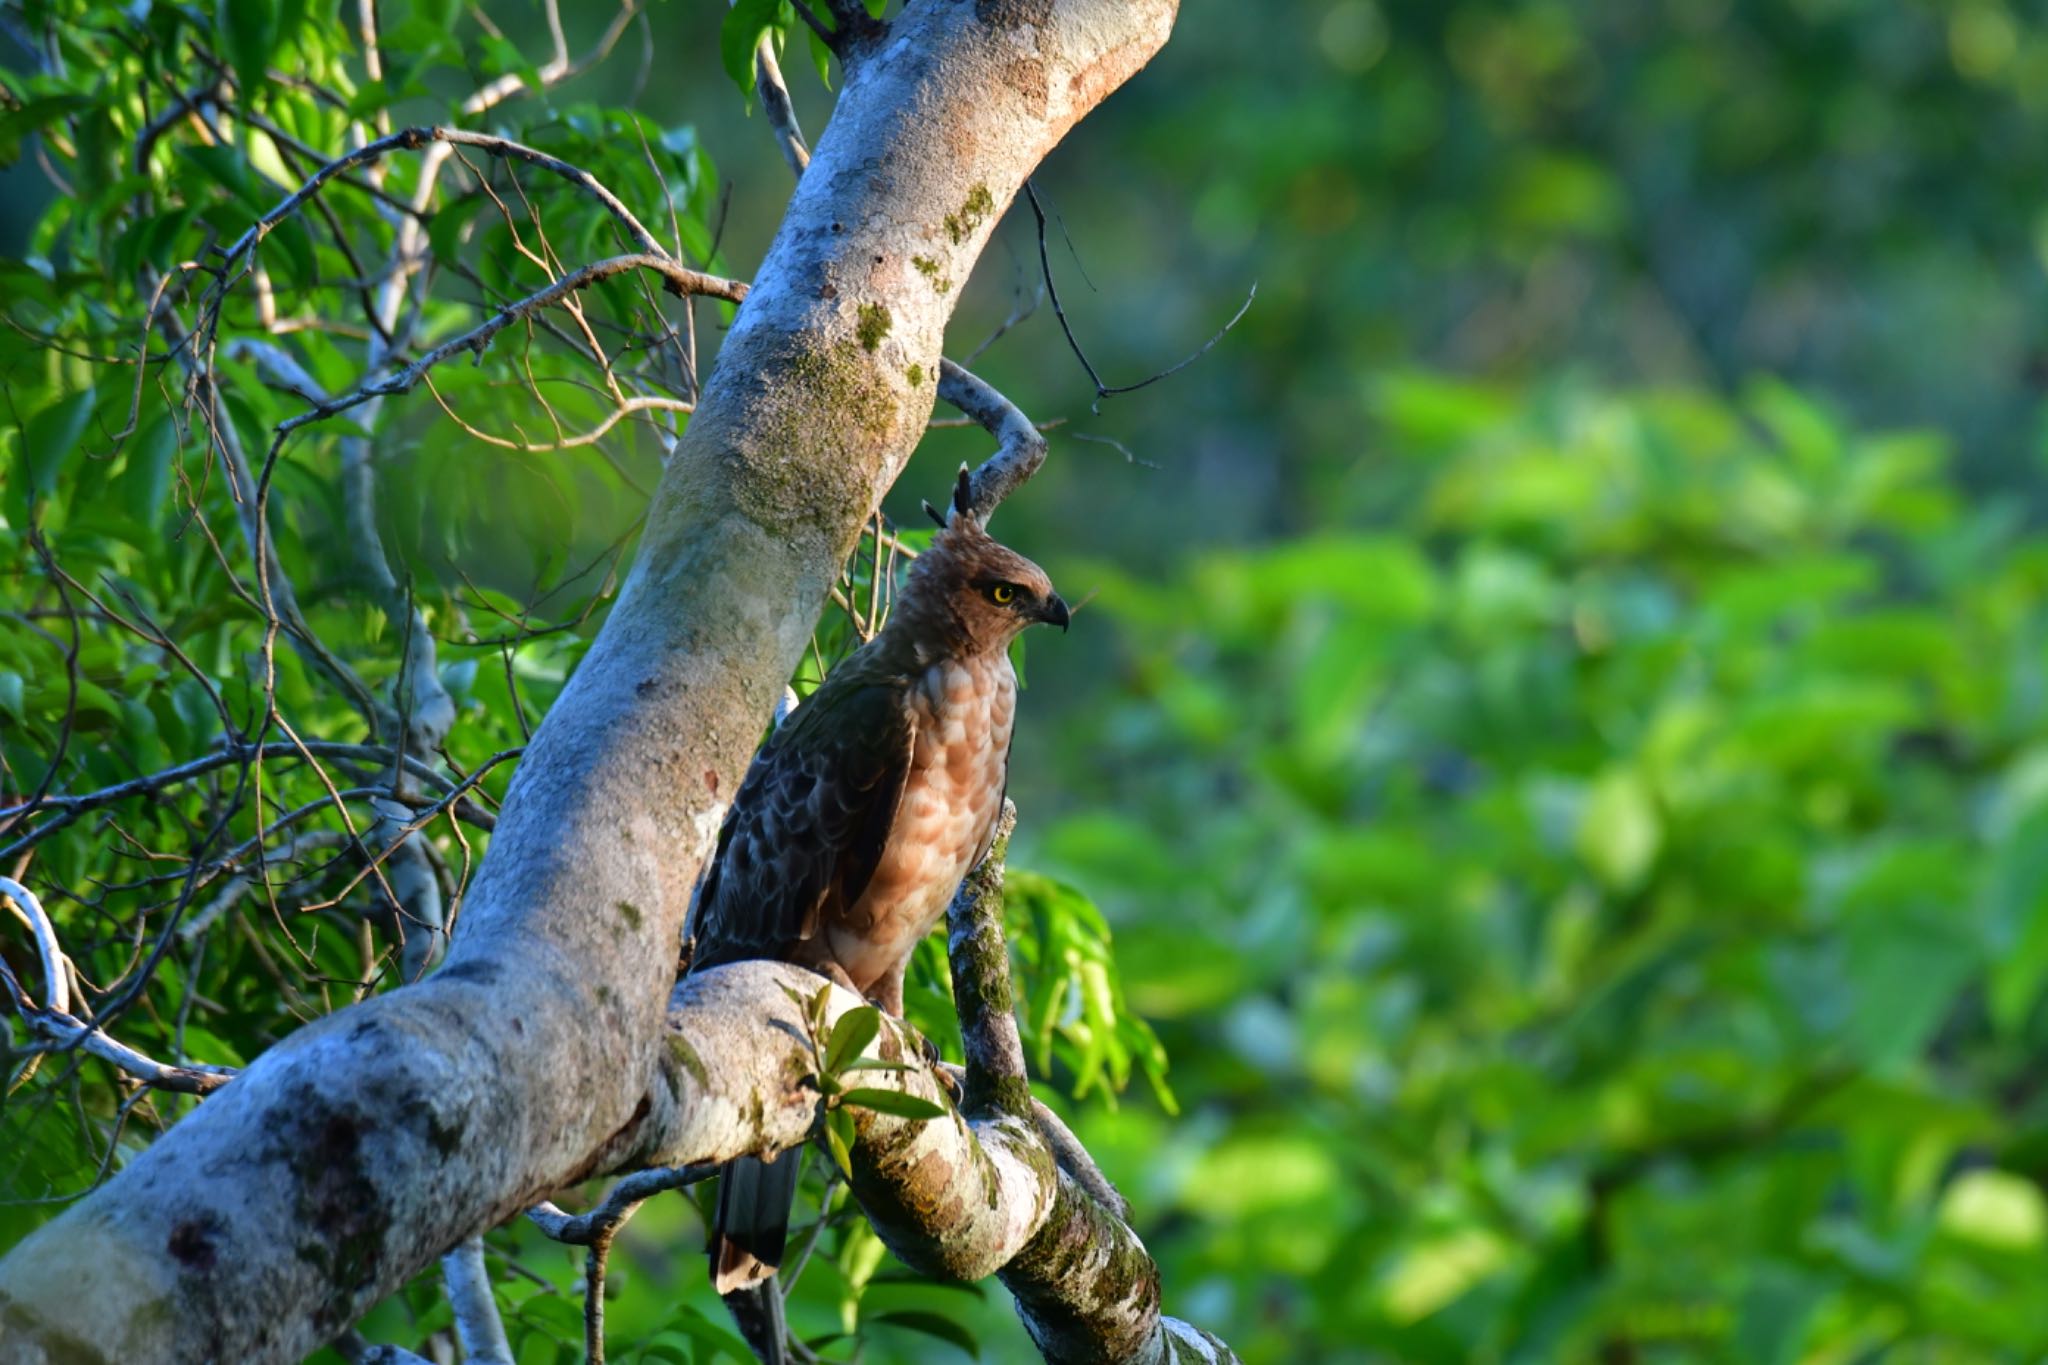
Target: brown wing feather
811,819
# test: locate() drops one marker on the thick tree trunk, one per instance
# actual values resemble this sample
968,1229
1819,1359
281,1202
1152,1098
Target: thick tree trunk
368,1143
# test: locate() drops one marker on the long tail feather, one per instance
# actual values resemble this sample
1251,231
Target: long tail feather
748,1234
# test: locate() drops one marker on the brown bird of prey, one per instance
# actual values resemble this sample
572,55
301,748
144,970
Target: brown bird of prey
855,825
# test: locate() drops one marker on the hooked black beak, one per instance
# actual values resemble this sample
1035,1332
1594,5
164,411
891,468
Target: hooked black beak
1055,612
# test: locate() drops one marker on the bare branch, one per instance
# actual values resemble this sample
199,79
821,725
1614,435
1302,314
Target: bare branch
62,1033
56,973
412,139
677,278
775,103
70,808
53,1023
619,1202
1103,390
594,1231
477,1324
825,31
1021,446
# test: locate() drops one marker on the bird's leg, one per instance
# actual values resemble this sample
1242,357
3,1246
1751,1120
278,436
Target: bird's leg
888,993
818,958
888,998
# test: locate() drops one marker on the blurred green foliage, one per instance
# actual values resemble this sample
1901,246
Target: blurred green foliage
1600,911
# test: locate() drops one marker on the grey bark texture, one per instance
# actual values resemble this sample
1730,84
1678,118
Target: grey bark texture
375,1140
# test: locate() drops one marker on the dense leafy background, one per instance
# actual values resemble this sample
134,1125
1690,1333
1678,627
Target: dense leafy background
1559,739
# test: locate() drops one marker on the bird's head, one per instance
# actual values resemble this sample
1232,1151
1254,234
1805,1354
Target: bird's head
978,593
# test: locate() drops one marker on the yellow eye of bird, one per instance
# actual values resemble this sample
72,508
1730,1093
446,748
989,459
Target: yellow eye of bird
1002,594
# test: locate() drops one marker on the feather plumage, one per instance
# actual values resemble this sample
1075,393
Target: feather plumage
858,819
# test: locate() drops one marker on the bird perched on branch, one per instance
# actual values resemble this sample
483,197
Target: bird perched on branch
855,825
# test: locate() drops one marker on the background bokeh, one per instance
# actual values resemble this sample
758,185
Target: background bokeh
1559,731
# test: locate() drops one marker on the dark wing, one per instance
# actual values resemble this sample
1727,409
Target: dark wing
811,819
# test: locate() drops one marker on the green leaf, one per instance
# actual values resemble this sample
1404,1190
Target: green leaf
931,1325
851,1036
248,33
740,33
53,433
1620,830
33,117
146,481
894,1102
901,1276
696,1328
839,1135
821,57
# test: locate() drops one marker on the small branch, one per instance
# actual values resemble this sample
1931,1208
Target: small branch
277,597
412,139
69,808
825,31
477,1324
677,279
1103,390
1020,445
1025,306
593,1298
360,1352
56,976
61,1032
618,1205
775,103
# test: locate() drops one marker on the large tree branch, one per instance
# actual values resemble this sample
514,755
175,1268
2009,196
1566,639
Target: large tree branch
740,1078
371,1142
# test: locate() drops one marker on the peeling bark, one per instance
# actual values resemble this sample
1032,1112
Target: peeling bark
373,1141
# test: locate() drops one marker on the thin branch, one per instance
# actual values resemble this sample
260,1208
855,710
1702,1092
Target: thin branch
59,1031
676,278
412,139
1025,306
56,976
826,33
775,103
1130,457
618,1204
594,1260
477,1324
1103,390
69,808
64,1034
